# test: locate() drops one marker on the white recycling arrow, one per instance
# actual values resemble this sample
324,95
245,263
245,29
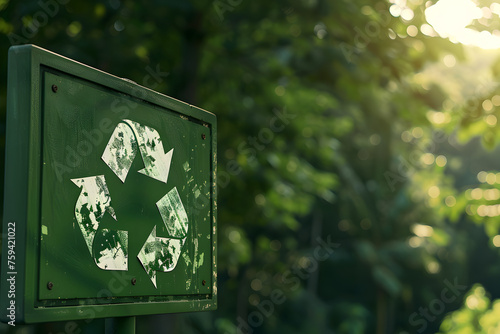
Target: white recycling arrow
90,207
162,254
173,214
127,138
112,252
110,247
93,202
159,254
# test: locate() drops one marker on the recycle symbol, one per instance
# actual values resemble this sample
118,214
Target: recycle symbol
157,253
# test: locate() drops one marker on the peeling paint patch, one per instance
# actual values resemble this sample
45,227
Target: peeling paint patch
199,262
45,230
195,255
196,192
186,258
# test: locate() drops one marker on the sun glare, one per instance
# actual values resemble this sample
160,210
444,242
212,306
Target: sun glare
451,18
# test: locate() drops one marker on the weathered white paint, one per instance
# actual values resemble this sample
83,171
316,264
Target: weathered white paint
156,161
121,150
186,258
129,137
93,202
199,262
173,214
159,254
114,257
195,241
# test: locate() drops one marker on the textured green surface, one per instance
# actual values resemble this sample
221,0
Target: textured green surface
54,137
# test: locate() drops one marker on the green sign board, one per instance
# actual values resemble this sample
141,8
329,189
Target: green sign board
110,196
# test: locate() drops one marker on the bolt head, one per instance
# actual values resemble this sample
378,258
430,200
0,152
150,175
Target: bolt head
204,282
203,136
54,88
50,285
134,281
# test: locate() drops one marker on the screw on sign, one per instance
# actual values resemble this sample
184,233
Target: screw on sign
158,253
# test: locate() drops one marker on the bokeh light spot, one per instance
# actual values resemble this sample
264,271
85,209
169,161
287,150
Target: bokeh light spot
496,240
450,201
441,160
434,191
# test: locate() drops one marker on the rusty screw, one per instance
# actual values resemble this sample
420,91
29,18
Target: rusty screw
203,136
50,285
54,88
203,282
134,281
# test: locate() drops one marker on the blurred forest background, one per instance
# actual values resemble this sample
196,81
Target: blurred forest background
359,168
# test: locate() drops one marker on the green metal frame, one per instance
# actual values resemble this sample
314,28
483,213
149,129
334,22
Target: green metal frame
23,189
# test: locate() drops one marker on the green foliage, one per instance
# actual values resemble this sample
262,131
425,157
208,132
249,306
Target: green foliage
477,315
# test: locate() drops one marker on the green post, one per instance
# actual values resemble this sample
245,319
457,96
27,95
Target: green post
122,325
